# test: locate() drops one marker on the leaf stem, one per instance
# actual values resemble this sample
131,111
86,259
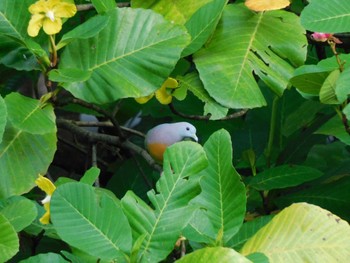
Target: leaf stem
272,130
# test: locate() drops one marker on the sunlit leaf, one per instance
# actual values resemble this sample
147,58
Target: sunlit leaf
327,16
324,236
161,227
44,258
130,57
214,254
3,117
192,82
91,221
10,209
246,43
9,243
266,5
328,89
223,194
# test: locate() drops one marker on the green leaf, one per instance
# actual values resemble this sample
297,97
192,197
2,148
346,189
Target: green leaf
328,89
104,5
44,258
324,236
3,117
17,49
309,78
29,115
178,12
335,127
90,221
245,42
223,194
130,57
333,196
162,225
346,111
297,119
258,258
202,23
69,75
86,30
342,89
192,82
14,18
327,16
283,176
9,243
200,229
214,254
19,211
22,157
90,176
248,229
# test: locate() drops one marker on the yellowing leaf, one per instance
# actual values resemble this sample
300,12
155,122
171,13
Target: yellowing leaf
302,233
265,5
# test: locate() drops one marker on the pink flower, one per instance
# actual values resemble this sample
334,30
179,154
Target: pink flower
321,37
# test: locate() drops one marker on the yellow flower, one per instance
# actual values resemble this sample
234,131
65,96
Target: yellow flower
163,95
48,187
48,14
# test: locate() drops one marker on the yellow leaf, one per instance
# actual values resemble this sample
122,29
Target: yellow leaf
266,5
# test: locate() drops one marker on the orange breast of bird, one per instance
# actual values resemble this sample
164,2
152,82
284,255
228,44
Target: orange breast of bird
157,150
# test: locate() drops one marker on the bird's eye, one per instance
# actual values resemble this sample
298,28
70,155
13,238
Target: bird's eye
187,128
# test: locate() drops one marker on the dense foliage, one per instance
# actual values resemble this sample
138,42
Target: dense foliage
265,85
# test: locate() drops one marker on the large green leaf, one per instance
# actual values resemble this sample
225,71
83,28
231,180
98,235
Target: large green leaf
302,233
17,51
19,210
248,230
9,243
30,115
3,117
104,5
130,57
14,18
327,92
192,82
22,157
333,196
91,221
283,176
247,42
214,254
178,11
327,16
335,127
202,24
45,258
158,229
223,194
199,17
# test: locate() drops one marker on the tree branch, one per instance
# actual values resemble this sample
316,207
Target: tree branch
85,7
93,137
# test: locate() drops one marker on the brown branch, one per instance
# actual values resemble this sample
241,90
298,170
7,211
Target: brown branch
93,137
201,117
107,124
103,112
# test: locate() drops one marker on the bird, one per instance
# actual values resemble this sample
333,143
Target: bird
162,136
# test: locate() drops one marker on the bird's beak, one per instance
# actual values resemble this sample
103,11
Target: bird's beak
194,138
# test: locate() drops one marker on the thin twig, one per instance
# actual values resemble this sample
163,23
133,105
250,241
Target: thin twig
207,117
107,124
103,112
